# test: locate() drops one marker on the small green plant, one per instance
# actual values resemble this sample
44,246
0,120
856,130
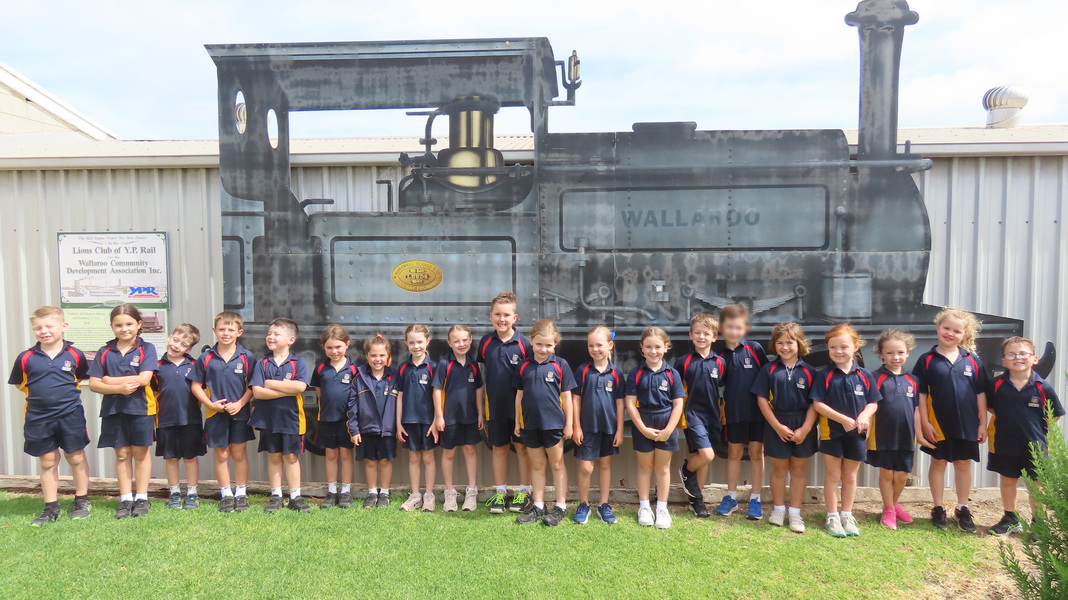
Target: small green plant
1044,576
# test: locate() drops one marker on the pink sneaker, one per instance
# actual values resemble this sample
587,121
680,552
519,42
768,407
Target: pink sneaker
889,517
902,515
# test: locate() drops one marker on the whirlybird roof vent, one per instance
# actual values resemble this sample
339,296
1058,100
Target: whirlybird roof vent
1004,105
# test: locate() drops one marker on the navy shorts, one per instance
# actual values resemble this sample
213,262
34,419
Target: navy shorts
502,433
273,442
596,445
122,430
181,441
333,434
221,430
541,438
1012,467
67,432
460,434
954,450
744,432
698,438
376,447
654,421
774,447
418,441
851,446
892,460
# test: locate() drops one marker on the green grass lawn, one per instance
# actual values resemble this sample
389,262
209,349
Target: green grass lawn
386,553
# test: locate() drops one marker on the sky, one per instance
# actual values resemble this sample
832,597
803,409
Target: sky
140,69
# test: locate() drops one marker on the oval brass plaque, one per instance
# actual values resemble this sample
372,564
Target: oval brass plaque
417,276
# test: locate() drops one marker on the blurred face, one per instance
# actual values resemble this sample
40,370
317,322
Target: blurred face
1019,358
335,349
841,349
950,332
894,354
460,342
48,330
378,357
416,343
279,339
653,349
599,346
786,348
227,333
125,327
503,317
702,336
178,344
544,345
734,330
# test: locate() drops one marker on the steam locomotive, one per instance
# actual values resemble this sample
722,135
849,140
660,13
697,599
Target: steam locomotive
628,229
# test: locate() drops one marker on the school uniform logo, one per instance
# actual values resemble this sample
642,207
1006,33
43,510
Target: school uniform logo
663,385
471,378
239,369
514,360
346,379
859,390
1034,403
66,365
910,392
608,387
136,362
550,377
747,363
801,383
715,373
289,376
967,370
187,370
422,380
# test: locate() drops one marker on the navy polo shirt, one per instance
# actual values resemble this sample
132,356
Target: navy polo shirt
786,389
894,423
846,393
542,385
500,365
177,405
459,386
1020,415
50,384
224,380
335,389
655,391
743,364
281,415
952,393
701,377
416,383
110,362
599,391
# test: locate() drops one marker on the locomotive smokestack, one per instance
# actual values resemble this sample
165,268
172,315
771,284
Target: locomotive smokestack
881,24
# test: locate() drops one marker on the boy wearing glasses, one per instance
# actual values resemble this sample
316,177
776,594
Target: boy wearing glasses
1018,400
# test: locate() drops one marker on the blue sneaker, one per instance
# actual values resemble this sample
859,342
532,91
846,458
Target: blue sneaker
727,506
756,510
582,514
605,510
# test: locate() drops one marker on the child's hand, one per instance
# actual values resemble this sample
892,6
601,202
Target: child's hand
576,435
433,432
219,406
662,435
929,434
356,439
516,432
849,424
617,439
921,440
863,423
785,433
402,433
650,433
481,425
982,434
800,434
439,425
129,387
232,408
568,431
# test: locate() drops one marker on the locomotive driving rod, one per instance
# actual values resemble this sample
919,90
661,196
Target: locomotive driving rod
910,165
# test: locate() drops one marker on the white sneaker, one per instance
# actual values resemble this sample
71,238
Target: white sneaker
834,526
797,524
428,502
663,518
849,524
778,516
645,517
470,500
450,501
414,502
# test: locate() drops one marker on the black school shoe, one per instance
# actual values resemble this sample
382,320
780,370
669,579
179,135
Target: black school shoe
938,518
522,502
533,515
697,505
1008,524
370,501
80,508
344,500
298,504
48,515
124,508
274,504
226,505
140,508
329,501
964,520
192,502
689,482
553,517
174,500
240,503
383,500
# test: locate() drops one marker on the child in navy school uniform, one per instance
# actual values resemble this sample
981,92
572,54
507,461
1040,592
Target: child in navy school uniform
782,388
845,396
122,371
543,419
1019,400
952,382
654,396
892,440
415,415
48,373
220,382
179,428
598,430
372,419
742,422
332,380
702,374
458,415
277,384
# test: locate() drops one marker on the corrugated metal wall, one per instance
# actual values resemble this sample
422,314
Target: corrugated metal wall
1001,215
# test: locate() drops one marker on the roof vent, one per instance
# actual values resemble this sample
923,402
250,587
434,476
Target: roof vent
1004,104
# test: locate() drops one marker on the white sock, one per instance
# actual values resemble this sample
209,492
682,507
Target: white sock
242,490
733,495
176,489
794,511
190,489
502,489
294,493
346,488
331,488
126,498
470,490
540,505
962,506
661,505
226,492
141,497
643,504
276,492
524,489
384,491
372,491
835,515
846,513
561,506
783,507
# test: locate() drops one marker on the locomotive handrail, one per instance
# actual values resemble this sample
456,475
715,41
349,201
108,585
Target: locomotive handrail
910,165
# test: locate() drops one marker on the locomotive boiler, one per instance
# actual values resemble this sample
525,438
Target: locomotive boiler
628,229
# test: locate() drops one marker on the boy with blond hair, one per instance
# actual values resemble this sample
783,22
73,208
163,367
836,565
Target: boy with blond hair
179,425
702,373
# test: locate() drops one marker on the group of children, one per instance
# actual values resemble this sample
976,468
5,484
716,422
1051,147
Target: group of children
525,396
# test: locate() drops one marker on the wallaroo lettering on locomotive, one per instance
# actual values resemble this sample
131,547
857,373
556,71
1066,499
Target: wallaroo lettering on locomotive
627,229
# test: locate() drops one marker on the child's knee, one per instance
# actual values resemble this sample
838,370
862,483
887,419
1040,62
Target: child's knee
586,467
49,460
222,455
76,459
735,451
122,454
238,453
428,458
291,459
